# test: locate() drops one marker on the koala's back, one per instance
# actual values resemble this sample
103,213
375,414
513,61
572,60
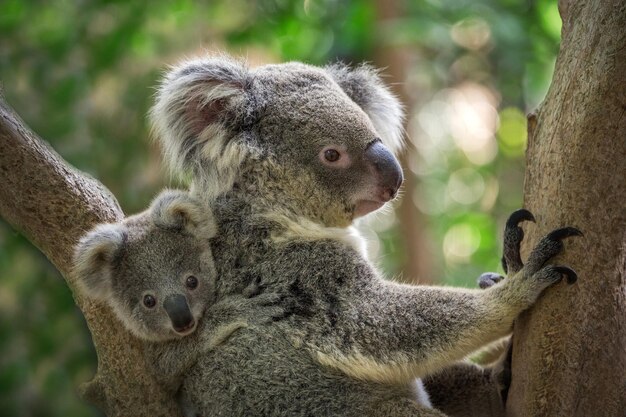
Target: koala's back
259,372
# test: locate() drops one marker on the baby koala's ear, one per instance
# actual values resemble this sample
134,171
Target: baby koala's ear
93,259
178,210
365,87
196,103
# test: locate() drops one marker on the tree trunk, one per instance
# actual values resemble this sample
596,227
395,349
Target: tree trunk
53,205
569,355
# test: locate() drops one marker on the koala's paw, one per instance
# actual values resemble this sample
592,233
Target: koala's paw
270,307
489,279
513,236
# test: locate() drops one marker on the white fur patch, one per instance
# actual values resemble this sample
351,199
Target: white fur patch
306,229
387,118
366,368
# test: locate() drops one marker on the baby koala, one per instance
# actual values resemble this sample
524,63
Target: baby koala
155,270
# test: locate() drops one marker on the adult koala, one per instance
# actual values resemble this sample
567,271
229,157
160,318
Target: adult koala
288,156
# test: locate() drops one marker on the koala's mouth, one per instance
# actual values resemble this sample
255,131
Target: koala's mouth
186,329
364,207
374,199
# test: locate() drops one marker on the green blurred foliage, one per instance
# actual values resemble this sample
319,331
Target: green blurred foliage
81,74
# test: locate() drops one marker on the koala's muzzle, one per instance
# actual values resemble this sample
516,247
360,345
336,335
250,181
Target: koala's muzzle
179,313
387,169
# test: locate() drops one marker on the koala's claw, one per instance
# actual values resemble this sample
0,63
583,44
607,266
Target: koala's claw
518,216
554,273
550,246
559,234
570,275
513,236
489,279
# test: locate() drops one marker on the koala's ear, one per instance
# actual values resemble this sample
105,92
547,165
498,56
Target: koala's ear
93,259
196,104
366,88
178,210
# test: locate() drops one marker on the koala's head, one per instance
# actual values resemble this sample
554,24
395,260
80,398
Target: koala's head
155,269
325,137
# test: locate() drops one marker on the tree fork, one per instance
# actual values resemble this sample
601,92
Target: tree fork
53,205
569,353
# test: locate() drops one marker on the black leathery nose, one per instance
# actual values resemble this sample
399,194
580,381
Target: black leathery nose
386,166
178,311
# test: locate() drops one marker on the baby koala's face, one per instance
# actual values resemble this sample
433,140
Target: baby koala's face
163,281
154,269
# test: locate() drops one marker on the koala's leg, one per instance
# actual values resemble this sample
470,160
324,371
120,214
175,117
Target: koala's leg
395,332
465,390
404,407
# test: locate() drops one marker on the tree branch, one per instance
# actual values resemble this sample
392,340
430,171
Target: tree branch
53,205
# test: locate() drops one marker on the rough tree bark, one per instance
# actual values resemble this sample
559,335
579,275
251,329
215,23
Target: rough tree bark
53,204
569,356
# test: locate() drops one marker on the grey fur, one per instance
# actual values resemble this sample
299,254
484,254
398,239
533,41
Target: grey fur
153,253
352,343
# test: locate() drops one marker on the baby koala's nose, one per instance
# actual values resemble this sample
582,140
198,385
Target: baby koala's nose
179,313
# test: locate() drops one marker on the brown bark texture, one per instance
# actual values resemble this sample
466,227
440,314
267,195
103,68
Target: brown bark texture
53,205
569,355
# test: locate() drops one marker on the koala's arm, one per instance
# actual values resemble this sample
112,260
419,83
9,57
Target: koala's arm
170,361
465,389
393,332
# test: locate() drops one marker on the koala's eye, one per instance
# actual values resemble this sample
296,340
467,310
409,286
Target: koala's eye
335,156
332,155
191,282
149,301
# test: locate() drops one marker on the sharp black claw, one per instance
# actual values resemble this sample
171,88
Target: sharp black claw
569,273
519,215
560,234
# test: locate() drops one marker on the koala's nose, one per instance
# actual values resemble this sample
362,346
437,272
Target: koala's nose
387,167
178,311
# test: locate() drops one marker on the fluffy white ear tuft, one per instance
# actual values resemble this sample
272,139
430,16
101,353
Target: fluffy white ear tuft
365,87
196,104
93,259
178,210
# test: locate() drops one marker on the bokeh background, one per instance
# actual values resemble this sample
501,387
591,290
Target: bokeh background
82,75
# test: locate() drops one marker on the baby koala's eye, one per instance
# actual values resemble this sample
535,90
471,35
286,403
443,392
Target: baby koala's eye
191,282
331,155
149,301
